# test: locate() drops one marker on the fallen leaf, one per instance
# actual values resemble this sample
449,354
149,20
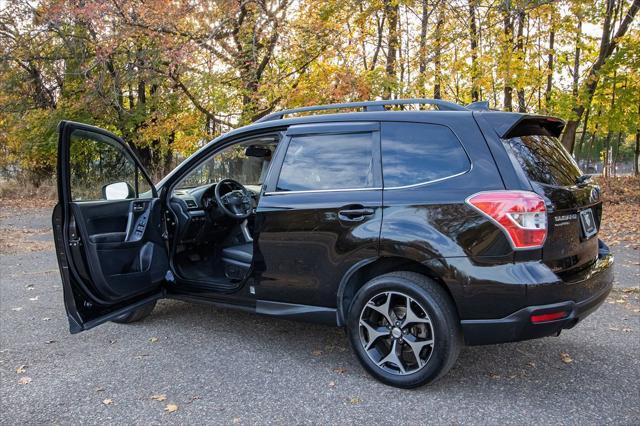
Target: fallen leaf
153,339
316,353
614,329
531,364
18,309
626,329
99,389
236,420
107,401
46,319
33,299
340,370
332,384
21,369
48,342
494,376
24,380
566,358
140,356
161,397
171,408
355,400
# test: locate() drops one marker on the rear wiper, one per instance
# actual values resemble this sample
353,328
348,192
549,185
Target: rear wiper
581,180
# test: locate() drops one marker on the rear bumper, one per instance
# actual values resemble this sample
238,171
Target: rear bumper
593,286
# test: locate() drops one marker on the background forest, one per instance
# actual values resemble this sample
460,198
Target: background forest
168,76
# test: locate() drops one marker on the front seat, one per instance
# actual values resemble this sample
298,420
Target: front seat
237,260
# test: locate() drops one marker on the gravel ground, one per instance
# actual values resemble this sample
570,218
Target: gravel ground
223,366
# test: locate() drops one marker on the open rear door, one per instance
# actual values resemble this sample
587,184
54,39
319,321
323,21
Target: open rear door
107,228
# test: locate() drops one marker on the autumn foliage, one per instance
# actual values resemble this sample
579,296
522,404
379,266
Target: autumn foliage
168,76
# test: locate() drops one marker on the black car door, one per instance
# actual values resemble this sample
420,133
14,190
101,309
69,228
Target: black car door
107,228
320,212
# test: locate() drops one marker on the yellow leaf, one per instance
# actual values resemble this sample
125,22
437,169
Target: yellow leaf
107,401
566,358
355,400
171,408
21,369
161,397
316,353
153,339
24,380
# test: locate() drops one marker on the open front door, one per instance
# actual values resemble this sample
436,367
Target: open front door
107,228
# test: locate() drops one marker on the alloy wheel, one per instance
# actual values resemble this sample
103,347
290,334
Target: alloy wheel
396,333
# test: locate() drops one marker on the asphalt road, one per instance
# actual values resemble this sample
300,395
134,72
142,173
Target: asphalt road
223,366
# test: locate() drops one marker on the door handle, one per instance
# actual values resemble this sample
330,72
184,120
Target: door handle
355,214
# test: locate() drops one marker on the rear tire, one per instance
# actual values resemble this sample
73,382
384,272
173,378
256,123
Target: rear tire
136,315
424,339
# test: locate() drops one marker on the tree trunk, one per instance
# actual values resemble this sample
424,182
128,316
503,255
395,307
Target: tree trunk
522,107
547,93
508,46
438,55
391,9
607,145
380,28
576,62
422,54
473,33
583,135
607,46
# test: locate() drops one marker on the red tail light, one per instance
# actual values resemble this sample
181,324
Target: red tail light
522,215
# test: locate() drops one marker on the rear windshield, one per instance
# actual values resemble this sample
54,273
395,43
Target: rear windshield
544,159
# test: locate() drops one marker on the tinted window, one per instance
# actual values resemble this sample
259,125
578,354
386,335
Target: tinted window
416,153
544,160
328,162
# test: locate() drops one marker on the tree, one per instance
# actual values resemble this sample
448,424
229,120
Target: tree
607,47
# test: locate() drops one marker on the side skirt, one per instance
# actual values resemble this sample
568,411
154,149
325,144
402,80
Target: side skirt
308,313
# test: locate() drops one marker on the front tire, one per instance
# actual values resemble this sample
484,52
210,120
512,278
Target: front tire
404,329
136,315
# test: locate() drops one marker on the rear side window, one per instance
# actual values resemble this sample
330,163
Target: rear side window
414,153
544,159
321,162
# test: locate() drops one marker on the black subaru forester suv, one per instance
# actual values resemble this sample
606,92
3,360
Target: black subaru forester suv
415,230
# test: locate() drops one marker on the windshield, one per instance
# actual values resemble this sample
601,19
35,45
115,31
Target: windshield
232,163
544,160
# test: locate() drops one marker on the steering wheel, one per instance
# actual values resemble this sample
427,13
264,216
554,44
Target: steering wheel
236,203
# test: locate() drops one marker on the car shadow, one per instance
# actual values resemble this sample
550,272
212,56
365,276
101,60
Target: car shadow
327,348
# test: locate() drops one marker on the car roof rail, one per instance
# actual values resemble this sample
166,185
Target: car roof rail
367,106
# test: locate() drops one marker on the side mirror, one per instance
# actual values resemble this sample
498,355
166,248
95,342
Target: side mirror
117,191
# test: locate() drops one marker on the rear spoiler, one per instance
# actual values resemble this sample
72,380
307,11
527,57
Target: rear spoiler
510,124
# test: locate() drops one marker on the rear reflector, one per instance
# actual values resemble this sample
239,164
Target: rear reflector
548,317
522,215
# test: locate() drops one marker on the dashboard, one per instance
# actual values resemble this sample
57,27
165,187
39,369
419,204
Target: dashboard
197,215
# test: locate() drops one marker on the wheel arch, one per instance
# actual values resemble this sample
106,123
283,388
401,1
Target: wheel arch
363,271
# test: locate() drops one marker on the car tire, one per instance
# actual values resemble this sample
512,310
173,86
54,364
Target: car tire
432,318
136,315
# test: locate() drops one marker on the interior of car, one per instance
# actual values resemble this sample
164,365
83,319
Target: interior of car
213,209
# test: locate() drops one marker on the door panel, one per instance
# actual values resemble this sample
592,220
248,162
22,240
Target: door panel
111,253
320,212
305,247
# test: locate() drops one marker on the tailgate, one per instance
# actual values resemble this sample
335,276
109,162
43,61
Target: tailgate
573,201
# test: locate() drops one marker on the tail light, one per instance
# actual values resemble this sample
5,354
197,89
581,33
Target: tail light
522,215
